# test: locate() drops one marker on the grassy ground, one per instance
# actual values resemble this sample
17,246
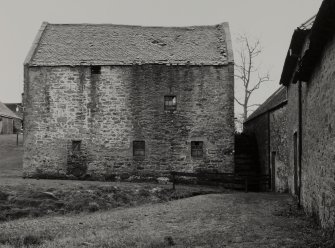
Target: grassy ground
10,156
58,213
36,198
32,198
217,220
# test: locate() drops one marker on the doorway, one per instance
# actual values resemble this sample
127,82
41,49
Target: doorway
273,171
295,163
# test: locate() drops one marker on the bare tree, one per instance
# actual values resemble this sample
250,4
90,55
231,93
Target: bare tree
248,72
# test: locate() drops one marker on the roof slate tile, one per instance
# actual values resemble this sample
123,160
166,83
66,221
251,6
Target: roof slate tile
108,44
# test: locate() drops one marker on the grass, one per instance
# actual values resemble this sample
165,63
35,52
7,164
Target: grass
10,156
217,220
58,213
313,235
34,200
20,198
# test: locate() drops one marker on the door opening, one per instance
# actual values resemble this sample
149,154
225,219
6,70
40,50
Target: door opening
295,158
273,171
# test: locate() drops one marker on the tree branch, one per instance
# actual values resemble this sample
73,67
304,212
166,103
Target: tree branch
246,69
261,80
238,102
254,105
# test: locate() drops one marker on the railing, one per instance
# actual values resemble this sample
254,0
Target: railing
231,179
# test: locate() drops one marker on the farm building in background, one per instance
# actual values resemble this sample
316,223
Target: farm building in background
9,122
16,108
104,100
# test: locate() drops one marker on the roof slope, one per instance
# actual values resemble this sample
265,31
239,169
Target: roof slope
13,107
322,32
277,98
108,44
6,112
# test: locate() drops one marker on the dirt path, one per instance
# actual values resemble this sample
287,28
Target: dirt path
216,220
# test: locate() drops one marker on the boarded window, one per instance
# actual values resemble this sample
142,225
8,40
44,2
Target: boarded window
139,148
76,145
96,70
197,148
170,103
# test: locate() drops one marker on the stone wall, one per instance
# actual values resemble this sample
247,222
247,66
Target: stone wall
279,149
108,111
258,127
318,141
292,129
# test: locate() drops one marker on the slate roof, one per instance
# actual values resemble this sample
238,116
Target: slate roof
322,32
108,44
13,106
277,98
6,112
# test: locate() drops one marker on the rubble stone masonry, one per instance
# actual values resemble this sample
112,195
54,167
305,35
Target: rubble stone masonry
258,127
292,129
79,124
278,148
318,156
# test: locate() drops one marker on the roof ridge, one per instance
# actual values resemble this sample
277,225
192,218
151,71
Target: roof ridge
130,25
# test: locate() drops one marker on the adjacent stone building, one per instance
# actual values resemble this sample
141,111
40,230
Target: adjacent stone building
9,122
17,109
308,133
113,100
268,125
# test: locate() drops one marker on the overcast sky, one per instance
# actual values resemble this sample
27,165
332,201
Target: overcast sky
272,21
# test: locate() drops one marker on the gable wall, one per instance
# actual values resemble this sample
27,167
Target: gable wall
126,103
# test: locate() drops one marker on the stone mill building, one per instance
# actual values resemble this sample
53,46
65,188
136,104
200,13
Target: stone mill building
106,100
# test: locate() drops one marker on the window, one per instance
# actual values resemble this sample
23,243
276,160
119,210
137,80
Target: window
96,70
76,145
139,148
170,103
197,149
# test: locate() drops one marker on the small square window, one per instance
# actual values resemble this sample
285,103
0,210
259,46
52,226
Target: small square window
139,148
197,148
76,145
95,70
170,103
